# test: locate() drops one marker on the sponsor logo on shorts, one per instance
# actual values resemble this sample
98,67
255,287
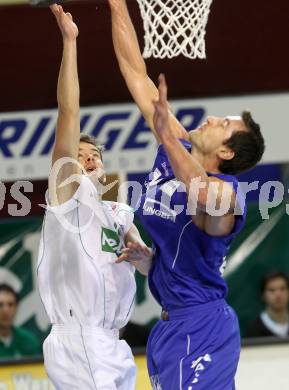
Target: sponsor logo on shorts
155,382
199,365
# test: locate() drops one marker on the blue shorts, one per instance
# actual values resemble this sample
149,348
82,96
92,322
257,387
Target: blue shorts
197,348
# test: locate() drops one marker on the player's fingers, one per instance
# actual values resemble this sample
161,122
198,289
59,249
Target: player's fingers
158,108
157,103
125,251
145,250
145,254
137,247
69,15
162,81
134,244
142,248
120,259
161,106
142,251
138,252
128,252
61,12
132,252
54,8
163,90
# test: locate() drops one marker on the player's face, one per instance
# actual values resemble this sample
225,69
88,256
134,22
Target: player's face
90,159
7,309
210,136
276,294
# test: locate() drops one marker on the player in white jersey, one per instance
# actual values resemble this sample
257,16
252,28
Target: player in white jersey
86,287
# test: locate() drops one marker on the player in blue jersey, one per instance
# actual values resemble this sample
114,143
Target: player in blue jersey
192,209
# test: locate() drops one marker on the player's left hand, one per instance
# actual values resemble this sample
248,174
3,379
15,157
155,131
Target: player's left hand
65,23
135,252
161,114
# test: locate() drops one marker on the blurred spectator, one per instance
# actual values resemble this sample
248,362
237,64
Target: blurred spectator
14,341
274,320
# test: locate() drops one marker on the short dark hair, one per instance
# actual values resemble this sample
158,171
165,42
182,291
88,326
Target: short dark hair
89,139
248,147
271,276
8,289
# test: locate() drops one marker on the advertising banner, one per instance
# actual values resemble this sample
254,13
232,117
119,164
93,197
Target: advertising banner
33,376
26,138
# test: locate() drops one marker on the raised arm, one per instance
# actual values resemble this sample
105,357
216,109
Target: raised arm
186,168
133,67
68,123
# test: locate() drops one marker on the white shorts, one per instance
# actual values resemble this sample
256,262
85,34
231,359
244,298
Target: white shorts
88,358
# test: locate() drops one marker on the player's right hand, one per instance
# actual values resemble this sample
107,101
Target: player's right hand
135,251
161,113
65,22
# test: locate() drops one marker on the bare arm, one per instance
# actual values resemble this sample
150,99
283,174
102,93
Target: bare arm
186,168
133,67
136,252
68,123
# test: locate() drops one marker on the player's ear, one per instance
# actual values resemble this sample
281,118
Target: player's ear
225,153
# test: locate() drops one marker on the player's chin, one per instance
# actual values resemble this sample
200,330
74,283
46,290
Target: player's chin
97,176
192,135
97,172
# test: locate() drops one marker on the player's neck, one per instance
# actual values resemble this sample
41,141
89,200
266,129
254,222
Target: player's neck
5,331
208,162
280,316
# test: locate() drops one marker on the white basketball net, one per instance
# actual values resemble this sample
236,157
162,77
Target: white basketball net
174,27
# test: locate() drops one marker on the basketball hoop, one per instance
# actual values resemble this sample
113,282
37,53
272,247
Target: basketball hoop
174,27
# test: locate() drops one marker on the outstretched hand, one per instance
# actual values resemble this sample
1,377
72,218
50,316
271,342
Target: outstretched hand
161,114
65,22
135,252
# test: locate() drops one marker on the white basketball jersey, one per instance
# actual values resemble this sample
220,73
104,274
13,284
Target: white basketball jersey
79,281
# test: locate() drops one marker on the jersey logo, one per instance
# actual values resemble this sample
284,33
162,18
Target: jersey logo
110,241
165,212
170,187
164,166
154,178
198,366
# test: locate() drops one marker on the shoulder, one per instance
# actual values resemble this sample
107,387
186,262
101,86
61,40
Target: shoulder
53,200
232,185
124,214
118,207
222,177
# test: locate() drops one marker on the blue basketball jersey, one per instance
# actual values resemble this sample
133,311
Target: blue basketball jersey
188,263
